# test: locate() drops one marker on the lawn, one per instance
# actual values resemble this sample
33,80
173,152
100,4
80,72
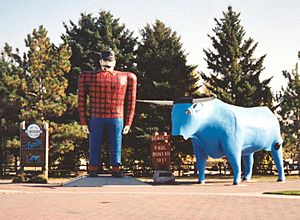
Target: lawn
286,193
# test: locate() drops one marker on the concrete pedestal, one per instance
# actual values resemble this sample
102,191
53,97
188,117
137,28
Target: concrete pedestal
102,180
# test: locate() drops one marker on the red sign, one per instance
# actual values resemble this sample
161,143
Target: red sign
161,151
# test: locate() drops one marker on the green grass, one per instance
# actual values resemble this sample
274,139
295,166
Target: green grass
286,193
227,176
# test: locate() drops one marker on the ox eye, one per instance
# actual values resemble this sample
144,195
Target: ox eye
188,112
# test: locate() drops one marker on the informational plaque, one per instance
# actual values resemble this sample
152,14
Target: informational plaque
34,146
161,158
161,151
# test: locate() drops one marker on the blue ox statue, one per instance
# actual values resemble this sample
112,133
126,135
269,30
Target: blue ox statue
218,129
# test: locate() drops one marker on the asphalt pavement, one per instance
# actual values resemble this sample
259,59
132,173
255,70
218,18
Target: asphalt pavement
217,199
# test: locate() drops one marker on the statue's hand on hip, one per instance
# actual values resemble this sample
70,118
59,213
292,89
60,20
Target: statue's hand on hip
85,128
126,129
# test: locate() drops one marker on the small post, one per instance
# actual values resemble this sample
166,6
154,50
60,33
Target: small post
46,171
22,130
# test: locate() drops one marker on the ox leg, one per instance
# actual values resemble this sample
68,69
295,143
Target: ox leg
276,153
235,162
201,158
248,163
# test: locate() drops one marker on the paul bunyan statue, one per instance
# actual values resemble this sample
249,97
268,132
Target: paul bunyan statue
112,98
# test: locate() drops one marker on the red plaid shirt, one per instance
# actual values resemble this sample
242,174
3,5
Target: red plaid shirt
108,94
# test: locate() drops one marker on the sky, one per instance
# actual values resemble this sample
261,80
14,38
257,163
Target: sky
273,24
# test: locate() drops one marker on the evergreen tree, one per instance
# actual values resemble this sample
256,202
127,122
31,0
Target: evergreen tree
235,72
162,66
9,112
162,74
290,113
39,90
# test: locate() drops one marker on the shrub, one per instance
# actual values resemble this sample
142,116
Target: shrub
20,178
38,179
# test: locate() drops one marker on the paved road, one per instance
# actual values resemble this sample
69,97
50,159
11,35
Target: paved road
218,199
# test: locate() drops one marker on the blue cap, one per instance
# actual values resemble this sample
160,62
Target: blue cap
107,55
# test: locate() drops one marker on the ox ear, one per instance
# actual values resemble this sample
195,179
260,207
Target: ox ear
157,102
206,99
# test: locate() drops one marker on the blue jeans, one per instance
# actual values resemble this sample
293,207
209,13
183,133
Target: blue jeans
115,127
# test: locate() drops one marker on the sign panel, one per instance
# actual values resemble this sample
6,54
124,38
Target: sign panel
33,131
161,151
33,146
33,158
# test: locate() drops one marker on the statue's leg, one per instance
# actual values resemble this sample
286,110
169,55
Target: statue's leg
115,140
248,163
276,153
234,158
95,141
201,158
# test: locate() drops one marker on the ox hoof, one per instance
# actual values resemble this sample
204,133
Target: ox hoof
201,182
246,180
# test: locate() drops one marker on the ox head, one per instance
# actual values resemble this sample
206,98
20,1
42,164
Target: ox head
187,114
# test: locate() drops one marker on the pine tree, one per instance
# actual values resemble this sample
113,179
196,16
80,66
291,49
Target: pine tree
9,143
39,90
290,113
162,65
162,74
235,72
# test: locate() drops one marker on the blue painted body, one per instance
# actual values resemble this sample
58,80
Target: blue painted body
218,129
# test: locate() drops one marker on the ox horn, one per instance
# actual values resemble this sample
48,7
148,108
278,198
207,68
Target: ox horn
156,102
199,100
